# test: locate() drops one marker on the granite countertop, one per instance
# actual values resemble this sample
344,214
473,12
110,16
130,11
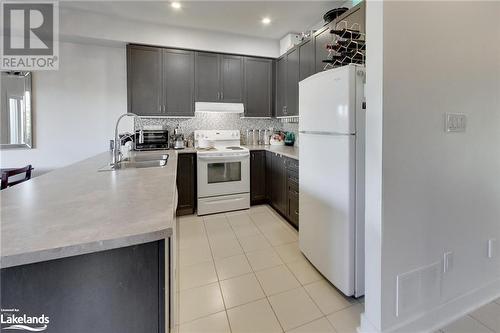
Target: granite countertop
288,151
76,210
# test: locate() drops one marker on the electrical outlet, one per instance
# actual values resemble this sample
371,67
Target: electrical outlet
447,262
491,247
455,122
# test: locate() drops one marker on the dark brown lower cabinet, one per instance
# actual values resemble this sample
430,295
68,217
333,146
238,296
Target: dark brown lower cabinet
186,183
257,177
282,185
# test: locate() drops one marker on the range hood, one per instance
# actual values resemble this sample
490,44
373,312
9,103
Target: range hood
218,107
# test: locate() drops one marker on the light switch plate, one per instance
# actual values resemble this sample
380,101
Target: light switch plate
455,122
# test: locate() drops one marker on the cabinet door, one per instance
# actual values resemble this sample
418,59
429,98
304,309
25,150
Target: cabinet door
258,87
231,79
354,18
321,39
293,207
269,175
306,59
186,184
144,80
278,183
257,177
280,86
178,82
207,77
292,83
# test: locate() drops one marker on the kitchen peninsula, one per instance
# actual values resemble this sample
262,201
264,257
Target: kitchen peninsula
91,250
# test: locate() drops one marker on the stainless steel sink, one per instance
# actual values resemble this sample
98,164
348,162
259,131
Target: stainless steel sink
139,162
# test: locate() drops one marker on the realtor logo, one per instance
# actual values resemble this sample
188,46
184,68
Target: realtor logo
29,36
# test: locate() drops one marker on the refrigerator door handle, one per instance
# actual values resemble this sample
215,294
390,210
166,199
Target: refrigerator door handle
325,133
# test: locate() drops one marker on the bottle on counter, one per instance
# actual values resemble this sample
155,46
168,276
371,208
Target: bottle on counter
249,137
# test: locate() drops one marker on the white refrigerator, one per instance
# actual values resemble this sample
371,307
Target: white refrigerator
331,175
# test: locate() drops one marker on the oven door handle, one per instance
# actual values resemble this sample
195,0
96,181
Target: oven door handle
224,158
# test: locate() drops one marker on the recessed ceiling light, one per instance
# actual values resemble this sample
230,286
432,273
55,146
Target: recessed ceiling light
266,20
176,5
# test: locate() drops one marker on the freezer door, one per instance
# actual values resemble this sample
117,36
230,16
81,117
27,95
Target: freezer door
327,101
327,206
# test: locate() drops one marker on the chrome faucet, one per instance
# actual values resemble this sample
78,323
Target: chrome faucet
117,143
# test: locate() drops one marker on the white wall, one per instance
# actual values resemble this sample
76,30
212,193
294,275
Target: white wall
429,192
78,24
75,107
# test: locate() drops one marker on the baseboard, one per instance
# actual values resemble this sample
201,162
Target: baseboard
443,315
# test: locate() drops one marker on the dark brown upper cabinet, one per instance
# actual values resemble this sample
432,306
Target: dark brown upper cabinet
144,80
287,84
178,82
321,39
281,86
160,81
232,73
292,83
219,78
258,87
306,59
207,77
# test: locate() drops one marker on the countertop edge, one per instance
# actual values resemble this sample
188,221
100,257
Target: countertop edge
269,149
84,248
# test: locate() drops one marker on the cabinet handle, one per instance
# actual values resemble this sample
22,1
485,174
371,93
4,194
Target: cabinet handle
222,95
218,95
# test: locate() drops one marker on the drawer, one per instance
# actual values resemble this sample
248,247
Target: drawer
293,174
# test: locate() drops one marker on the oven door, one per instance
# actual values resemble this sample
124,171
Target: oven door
222,175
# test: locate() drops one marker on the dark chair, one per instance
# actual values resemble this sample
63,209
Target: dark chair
11,172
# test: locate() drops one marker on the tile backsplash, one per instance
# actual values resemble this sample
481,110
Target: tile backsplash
221,121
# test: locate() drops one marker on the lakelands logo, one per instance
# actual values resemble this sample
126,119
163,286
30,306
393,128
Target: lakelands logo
10,319
30,36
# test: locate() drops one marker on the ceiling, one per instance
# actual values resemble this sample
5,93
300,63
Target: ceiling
239,17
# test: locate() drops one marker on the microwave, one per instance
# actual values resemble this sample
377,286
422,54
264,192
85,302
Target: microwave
153,140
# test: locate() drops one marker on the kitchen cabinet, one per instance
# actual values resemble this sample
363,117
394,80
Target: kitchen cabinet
178,82
321,39
207,77
287,84
144,80
353,19
232,78
292,170
186,183
257,177
306,59
160,81
219,78
292,83
278,190
282,185
280,86
258,87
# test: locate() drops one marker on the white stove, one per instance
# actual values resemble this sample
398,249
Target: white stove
223,172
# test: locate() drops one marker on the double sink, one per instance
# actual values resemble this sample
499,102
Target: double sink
139,161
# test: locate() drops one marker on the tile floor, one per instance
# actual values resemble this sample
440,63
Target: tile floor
484,320
243,272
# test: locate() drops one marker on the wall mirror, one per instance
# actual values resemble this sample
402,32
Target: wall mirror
15,114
